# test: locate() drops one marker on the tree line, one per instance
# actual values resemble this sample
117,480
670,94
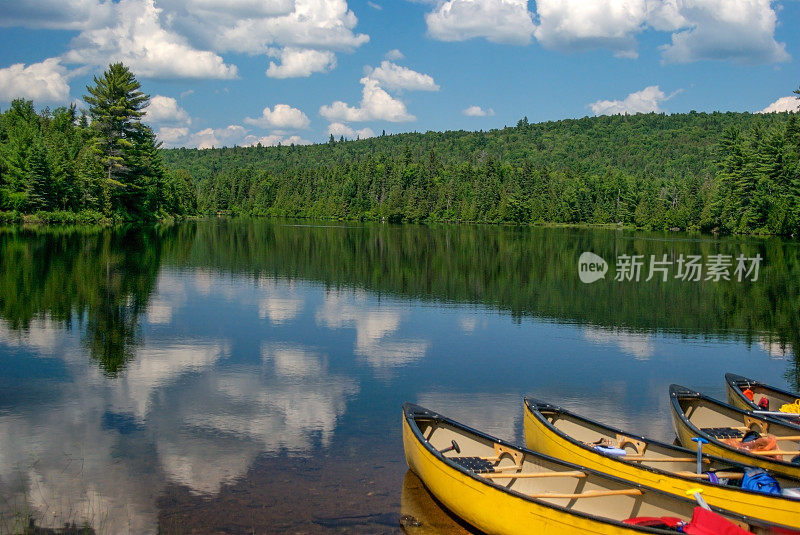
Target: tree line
722,172
62,165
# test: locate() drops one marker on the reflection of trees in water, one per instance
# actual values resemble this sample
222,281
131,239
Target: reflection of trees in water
529,272
104,278
101,277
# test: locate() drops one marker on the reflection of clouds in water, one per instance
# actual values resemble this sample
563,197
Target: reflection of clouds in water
281,304
98,450
159,312
373,324
43,335
469,324
59,464
292,360
224,420
639,346
279,309
497,414
776,350
155,367
170,294
204,280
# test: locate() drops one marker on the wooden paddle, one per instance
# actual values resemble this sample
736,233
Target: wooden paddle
771,452
575,473
590,494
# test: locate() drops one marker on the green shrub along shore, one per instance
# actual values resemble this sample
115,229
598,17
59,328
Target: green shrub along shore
734,173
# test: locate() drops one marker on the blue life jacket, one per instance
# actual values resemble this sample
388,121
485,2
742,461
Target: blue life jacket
759,480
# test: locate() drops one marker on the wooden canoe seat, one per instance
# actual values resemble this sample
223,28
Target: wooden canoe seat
479,465
723,432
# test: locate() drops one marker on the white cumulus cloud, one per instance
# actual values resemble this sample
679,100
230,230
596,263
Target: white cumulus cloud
477,111
583,24
217,137
297,63
783,104
645,101
376,104
165,110
282,116
340,129
499,21
137,38
172,135
45,81
394,55
396,77
55,14
740,30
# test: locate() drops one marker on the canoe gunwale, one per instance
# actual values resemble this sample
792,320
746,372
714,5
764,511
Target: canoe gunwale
534,408
412,411
676,392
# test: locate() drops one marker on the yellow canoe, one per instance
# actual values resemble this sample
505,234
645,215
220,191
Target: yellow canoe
560,433
735,385
503,489
696,415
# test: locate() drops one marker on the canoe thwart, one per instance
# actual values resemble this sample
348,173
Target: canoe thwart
574,473
500,450
754,421
638,445
589,494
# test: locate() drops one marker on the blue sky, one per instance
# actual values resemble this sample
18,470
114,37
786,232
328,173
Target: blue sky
225,72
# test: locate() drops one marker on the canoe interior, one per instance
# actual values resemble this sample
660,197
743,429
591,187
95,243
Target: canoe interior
777,398
588,431
706,413
650,503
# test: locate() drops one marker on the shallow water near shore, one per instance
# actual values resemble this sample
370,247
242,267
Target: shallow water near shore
239,376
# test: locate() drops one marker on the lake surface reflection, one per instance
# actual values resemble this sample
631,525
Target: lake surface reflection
240,376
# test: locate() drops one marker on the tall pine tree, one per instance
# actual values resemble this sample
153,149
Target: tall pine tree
125,147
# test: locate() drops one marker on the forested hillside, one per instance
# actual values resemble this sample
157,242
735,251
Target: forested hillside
725,172
731,172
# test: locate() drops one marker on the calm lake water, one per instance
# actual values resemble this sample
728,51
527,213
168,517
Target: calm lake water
247,376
